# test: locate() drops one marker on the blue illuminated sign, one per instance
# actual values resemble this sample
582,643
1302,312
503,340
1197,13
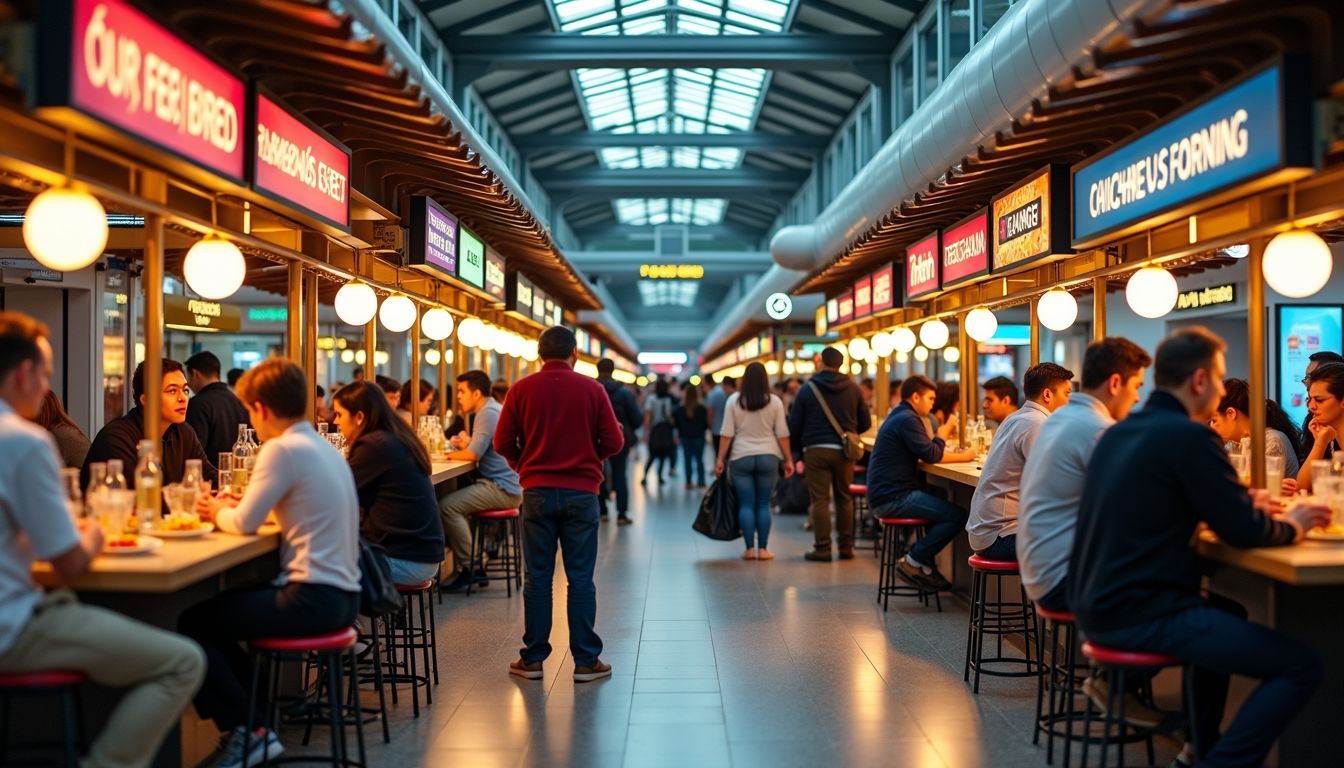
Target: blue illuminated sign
1245,133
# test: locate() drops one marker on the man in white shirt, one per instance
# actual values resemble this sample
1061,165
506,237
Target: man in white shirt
992,526
38,632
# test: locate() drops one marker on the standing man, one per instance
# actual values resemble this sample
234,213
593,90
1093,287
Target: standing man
556,429
992,527
213,410
617,476
821,448
1001,399
717,401
234,375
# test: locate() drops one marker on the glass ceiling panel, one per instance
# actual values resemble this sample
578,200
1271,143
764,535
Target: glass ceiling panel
662,293
679,210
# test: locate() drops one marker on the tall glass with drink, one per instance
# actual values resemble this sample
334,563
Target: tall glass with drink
148,486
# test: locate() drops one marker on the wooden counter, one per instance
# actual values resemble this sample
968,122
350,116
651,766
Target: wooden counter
964,472
1310,563
442,470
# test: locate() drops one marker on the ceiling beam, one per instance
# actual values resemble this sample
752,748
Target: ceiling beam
491,16
760,141
853,17
670,182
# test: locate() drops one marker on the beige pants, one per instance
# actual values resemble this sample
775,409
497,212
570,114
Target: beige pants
456,507
162,671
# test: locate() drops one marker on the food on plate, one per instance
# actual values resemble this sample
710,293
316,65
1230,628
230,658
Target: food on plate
181,521
125,541
1334,529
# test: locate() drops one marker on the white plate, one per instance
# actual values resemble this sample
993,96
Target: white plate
203,530
1316,535
147,544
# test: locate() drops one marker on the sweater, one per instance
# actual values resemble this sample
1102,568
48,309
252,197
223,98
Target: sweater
120,439
808,424
215,413
893,464
400,512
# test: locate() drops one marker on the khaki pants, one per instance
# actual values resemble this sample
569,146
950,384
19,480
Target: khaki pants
456,507
827,472
162,671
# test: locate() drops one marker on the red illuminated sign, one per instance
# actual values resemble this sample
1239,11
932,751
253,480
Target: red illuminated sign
109,61
883,297
921,267
846,306
966,249
863,297
295,162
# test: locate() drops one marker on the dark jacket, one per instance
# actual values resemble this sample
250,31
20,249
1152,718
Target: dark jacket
807,422
215,413
691,426
626,408
120,439
893,464
398,509
1152,479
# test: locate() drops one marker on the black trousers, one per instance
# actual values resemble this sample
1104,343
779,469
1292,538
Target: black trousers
221,624
618,480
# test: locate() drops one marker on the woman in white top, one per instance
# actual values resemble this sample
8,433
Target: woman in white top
755,429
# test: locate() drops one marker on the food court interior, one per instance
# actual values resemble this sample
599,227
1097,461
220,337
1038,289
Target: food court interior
888,198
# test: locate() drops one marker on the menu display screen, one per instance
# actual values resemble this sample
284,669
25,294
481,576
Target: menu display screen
470,259
883,296
921,268
494,274
846,303
296,163
966,249
433,238
1303,330
1031,220
863,297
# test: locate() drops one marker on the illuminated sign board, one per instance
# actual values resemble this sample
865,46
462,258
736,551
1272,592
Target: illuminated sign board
538,305
846,306
297,163
863,297
883,284
778,306
1028,225
494,274
267,314
921,268
966,249
184,314
1302,330
671,271
520,295
822,325
433,243
833,311
470,259
1207,297
107,60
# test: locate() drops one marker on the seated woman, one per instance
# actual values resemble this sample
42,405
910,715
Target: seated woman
1233,422
306,483
391,468
70,439
1325,402
427,395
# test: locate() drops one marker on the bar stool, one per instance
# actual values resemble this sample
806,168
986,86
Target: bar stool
1118,665
510,560
410,633
892,547
332,651
1058,681
370,670
64,685
859,493
999,618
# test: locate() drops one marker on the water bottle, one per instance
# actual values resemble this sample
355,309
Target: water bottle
97,476
148,486
243,455
114,480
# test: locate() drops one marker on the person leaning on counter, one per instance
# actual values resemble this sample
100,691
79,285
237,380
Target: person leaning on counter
120,439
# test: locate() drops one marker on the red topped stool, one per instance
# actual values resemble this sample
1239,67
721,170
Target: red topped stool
895,542
1000,618
331,652
1059,682
408,634
509,563
859,493
1118,665
62,684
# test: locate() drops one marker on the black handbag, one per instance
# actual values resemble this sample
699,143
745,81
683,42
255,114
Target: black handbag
718,517
378,595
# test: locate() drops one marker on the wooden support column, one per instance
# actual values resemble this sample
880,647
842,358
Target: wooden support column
152,282
1255,325
882,389
1099,308
308,353
414,339
1035,333
370,347
294,308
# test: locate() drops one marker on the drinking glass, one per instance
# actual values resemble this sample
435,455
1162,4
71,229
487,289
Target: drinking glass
323,427
112,508
1320,470
1242,464
1274,474
74,497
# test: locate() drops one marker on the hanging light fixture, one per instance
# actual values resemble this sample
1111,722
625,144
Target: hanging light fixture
903,339
214,268
790,368
360,356
489,338
934,334
1297,263
951,354
381,358
356,303
921,354
347,356
432,356
981,324
883,345
902,357
436,324
1151,292
469,331
858,348
397,313
1057,309
65,229
530,351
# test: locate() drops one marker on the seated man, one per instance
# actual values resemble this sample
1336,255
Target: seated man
120,439
55,631
1134,576
992,527
213,411
893,479
1001,399
496,488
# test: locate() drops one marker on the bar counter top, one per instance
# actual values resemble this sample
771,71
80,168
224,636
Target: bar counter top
1309,563
442,469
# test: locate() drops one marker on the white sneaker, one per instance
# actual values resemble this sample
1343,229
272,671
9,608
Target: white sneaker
260,748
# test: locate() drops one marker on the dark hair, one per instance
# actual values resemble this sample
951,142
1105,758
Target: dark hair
53,414
894,387
278,384
832,358
1002,386
605,366
728,381
755,391
690,398
946,399
204,363
1333,376
138,378
479,381
1041,376
387,384
866,382
1325,356
1111,356
358,371
234,375
18,340
556,343
320,391
1238,397
1184,352
916,385
425,388
661,387
499,390
364,397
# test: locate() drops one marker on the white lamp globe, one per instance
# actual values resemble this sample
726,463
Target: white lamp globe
515,345
214,268
1057,309
432,356
436,324
360,356
65,229
921,354
858,348
1296,264
397,313
347,356
951,354
789,368
903,339
530,351
883,345
981,324
380,358
934,334
902,357
469,331
356,303
1151,292
448,357
489,338
772,367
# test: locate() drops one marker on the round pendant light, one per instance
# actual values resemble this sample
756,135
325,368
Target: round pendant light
1151,292
1297,263
214,268
951,354
65,229
902,357
883,345
436,324
789,368
347,356
381,358
469,331
921,354
903,339
356,303
360,357
489,338
934,334
981,324
530,351
858,348
432,356
397,313
1057,309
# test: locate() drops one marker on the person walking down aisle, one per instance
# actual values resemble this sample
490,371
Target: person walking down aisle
821,448
692,423
213,410
659,431
716,401
54,631
556,429
756,431
1135,579
992,527
617,468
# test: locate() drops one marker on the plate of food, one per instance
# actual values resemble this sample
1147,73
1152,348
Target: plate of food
131,544
183,526
1334,533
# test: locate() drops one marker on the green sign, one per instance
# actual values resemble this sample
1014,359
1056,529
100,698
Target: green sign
267,314
470,259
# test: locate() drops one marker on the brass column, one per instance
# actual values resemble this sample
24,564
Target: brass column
308,353
442,407
294,307
1099,308
1255,315
882,389
152,283
370,346
414,339
1035,333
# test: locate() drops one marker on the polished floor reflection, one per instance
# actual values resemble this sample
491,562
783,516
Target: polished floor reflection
717,662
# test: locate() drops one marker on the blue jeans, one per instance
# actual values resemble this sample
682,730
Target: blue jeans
1225,643
407,572
1003,548
754,480
567,518
946,520
695,460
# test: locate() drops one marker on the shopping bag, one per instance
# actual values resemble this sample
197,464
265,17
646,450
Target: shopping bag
718,511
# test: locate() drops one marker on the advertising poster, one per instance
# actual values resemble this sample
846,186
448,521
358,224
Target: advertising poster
1303,330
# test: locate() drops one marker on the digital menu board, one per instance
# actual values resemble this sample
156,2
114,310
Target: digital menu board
1302,330
433,237
845,302
470,258
966,249
883,296
1031,220
921,268
863,297
520,295
494,274
296,162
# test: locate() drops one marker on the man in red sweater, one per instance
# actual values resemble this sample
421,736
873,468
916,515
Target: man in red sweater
556,430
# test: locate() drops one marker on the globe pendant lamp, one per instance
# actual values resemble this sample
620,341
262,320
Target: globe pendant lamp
981,324
858,348
432,356
882,344
214,268
530,351
65,229
952,354
489,339
903,339
436,324
469,332
1057,309
921,354
356,303
1297,263
1151,292
902,357
397,313
934,334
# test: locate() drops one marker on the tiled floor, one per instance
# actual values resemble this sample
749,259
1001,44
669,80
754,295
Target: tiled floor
717,662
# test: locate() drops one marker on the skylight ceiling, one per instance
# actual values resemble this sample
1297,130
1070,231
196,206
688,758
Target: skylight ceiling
640,212
668,293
